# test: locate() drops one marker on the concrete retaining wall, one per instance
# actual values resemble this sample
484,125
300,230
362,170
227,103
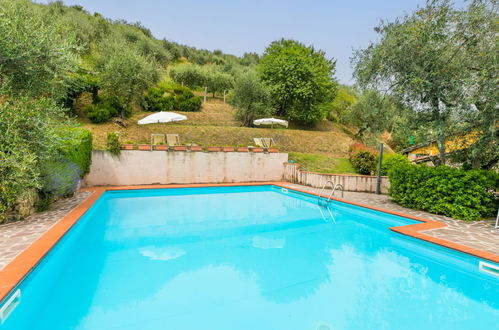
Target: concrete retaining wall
162,167
350,182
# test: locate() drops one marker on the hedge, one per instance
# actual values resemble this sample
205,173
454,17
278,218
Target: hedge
77,147
467,195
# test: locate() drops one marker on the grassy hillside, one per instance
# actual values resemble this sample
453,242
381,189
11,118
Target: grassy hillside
323,148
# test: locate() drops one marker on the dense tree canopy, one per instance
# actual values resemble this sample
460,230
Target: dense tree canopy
443,63
34,58
300,80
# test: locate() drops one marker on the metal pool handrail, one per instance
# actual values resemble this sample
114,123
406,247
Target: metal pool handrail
324,187
338,185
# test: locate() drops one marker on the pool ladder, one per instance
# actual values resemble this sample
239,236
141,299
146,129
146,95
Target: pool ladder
333,187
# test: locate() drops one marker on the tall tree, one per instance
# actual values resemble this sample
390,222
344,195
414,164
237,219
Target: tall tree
425,59
300,80
250,98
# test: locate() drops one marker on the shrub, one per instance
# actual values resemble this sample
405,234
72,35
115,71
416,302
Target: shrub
363,158
107,108
113,143
59,178
98,113
448,191
154,100
364,162
76,146
187,101
393,160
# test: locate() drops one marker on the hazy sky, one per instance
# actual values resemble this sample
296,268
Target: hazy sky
335,26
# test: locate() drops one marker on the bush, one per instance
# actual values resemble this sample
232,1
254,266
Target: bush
448,191
155,100
363,158
59,178
364,162
107,108
76,146
393,160
187,101
98,113
113,143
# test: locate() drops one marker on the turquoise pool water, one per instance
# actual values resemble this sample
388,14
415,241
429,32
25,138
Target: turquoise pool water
248,258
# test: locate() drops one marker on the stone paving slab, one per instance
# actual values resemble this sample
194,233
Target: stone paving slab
476,234
15,237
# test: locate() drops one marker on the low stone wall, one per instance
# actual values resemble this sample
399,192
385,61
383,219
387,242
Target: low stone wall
135,167
350,182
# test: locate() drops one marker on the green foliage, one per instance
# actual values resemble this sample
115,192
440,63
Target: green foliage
76,85
364,162
113,143
170,97
34,58
299,79
189,75
106,108
392,161
250,98
59,178
321,163
186,101
28,139
342,103
442,61
99,113
372,113
126,73
217,81
155,100
448,191
76,146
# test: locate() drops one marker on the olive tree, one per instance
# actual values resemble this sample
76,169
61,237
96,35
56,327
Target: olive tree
441,62
126,73
250,98
34,57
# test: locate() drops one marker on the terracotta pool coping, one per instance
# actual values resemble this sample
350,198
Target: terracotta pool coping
22,265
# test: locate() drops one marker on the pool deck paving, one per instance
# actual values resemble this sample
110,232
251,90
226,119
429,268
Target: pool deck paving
16,238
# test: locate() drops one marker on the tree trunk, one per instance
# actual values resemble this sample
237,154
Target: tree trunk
205,91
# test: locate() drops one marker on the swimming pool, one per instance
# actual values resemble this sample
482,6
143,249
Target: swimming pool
249,257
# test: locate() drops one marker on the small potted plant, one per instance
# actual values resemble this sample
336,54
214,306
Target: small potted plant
196,148
228,149
128,146
257,149
145,147
180,148
161,147
213,149
242,148
273,150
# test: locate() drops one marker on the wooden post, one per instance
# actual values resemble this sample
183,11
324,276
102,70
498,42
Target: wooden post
205,91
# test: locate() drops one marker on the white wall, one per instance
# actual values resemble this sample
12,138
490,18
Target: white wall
160,167
364,183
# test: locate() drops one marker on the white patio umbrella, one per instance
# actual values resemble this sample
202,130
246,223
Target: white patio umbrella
271,121
162,117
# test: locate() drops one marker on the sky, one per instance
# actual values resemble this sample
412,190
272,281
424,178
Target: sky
336,26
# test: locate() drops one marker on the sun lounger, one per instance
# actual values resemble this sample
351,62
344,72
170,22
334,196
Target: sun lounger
172,140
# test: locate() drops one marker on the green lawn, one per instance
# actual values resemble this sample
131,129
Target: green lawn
322,163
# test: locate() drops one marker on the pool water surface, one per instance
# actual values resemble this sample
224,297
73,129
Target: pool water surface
252,257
